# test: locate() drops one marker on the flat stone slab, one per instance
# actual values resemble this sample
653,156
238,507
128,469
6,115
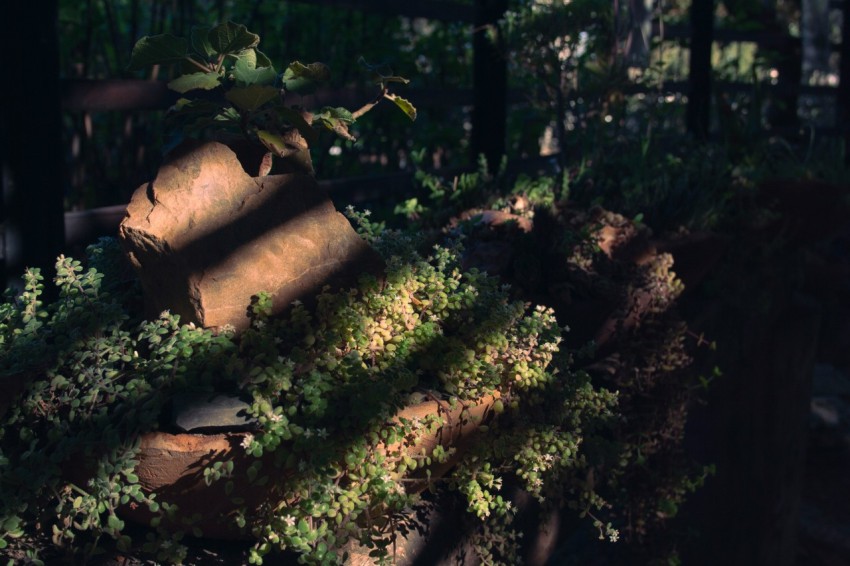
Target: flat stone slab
212,413
204,237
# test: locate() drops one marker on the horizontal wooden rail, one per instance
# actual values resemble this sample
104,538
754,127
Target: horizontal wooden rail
442,10
81,95
95,95
101,95
86,226
678,32
734,87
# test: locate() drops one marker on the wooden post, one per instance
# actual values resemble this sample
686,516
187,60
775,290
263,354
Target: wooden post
843,94
782,114
31,143
490,84
790,67
699,75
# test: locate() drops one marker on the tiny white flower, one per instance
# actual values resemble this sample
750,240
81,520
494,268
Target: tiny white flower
322,433
302,465
275,418
296,303
259,323
280,359
308,433
614,535
289,520
247,441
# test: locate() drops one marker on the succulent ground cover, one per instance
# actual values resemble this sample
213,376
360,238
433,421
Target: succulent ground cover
323,384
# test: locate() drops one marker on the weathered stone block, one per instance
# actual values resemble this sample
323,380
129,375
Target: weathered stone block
205,237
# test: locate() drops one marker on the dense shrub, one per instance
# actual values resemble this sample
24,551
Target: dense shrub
324,384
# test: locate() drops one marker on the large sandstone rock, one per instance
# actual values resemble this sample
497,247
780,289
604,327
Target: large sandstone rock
171,466
205,236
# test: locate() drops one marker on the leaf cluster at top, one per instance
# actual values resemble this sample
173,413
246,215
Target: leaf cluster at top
255,101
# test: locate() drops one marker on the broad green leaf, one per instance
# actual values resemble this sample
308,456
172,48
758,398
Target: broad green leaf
248,58
404,104
229,38
205,81
274,143
296,118
201,43
339,113
251,97
336,120
305,79
247,74
156,50
262,59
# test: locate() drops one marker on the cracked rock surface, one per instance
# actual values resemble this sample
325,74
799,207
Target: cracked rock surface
205,237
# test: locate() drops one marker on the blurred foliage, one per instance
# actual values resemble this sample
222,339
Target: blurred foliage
611,122
231,92
112,153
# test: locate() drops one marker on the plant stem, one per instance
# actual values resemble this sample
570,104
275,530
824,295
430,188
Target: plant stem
369,105
78,489
198,64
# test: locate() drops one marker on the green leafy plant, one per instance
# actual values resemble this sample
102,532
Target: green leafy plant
228,85
559,262
325,384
